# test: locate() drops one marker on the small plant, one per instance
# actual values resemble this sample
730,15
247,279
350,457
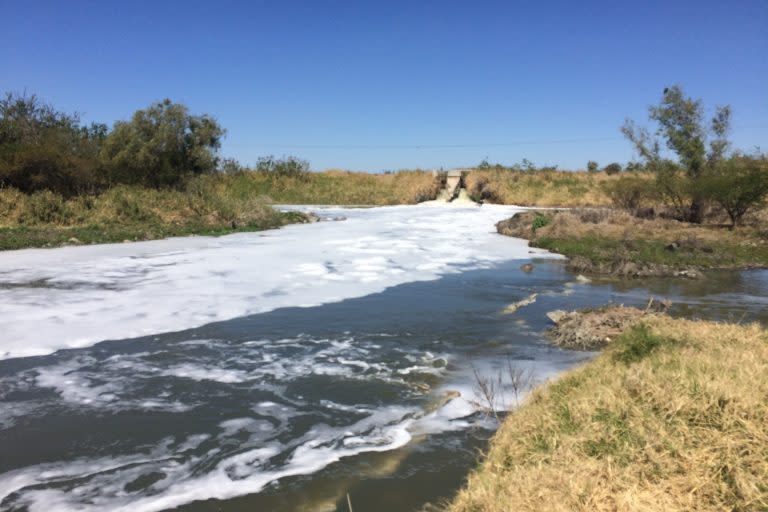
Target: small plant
492,391
637,344
539,221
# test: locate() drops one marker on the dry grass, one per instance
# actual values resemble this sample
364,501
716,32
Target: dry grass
673,416
540,188
334,187
46,219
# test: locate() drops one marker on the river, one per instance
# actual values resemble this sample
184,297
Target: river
287,369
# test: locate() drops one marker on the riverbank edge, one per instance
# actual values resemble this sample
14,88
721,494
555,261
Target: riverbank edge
31,237
672,415
633,254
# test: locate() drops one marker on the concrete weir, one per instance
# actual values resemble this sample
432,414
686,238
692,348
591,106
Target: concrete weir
452,188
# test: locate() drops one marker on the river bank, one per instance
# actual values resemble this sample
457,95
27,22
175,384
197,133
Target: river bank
614,243
671,416
270,367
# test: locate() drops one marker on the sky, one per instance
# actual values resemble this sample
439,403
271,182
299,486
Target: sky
392,85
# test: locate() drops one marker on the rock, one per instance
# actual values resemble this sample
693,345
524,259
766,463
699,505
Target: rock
556,315
74,240
440,362
583,279
528,267
312,217
519,304
672,247
689,273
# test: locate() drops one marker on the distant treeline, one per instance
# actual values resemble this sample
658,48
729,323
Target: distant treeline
42,148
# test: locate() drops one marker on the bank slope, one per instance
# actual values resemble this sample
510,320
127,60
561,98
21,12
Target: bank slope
672,416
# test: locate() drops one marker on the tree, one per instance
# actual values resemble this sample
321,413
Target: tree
45,149
738,184
611,169
162,144
681,124
592,166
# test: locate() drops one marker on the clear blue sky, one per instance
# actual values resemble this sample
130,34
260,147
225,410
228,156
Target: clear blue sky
360,85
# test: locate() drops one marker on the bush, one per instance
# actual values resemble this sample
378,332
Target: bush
611,169
231,166
46,207
43,149
161,145
285,167
738,185
629,192
592,166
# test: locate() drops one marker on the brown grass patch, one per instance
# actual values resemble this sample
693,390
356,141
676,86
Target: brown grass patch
540,188
674,417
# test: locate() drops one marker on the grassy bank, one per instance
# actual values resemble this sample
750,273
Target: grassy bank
671,416
45,219
210,204
540,188
329,187
614,242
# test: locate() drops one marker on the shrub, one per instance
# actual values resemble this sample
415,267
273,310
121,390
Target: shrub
738,185
44,149
129,204
231,166
46,207
611,169
288,167
592,166
629,192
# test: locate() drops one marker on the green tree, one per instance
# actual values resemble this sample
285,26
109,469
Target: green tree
592,166
161,145
611,169
45,149
738,184
680,122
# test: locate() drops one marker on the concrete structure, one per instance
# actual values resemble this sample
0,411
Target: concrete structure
452,186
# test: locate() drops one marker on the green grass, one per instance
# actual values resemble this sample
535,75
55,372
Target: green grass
608,250
21,237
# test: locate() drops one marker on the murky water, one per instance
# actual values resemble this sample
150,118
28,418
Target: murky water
296,407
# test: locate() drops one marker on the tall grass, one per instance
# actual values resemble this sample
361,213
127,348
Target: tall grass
540,188
673,416
129,213
330,187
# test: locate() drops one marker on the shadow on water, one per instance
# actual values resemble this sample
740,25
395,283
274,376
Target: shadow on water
290,376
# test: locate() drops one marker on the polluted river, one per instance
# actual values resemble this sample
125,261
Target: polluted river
299,369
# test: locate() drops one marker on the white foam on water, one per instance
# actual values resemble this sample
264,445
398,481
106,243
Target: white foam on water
77,296
103,484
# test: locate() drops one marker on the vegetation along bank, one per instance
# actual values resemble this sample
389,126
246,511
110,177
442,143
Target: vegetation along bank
672,415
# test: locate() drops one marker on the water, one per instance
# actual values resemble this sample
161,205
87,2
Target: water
293,407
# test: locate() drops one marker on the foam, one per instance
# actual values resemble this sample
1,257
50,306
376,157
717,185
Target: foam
100,484
78,296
